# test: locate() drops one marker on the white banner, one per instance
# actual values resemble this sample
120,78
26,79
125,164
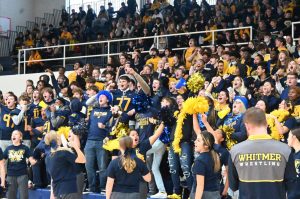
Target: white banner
5,24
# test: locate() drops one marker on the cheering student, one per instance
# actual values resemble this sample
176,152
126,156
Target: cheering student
141,149
124,172
294,142
205,168
16,155
61,165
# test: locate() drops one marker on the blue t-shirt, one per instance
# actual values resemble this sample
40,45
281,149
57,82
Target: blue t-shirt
123,99
62,169
294,191
22,125
34,111
99,115
16,156
126,182
204,166
6,123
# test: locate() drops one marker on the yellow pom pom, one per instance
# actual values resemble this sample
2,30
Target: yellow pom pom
196,82
229,130
280,114
119,131
272,126
191,106
111,145
64,130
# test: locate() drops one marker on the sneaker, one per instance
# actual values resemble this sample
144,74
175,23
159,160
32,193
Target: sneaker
174,196
159,195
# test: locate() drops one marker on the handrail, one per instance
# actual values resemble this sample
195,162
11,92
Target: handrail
293,31
156,37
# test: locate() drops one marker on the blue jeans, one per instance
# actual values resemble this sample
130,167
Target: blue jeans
184,160
94,152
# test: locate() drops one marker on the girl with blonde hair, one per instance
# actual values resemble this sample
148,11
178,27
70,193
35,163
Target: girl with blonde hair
125,172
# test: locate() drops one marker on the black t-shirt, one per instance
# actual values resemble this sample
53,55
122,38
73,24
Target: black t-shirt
16,156
142,149
62,168
204,165
126,182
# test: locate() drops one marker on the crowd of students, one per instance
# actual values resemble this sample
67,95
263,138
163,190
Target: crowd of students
135,121
205,123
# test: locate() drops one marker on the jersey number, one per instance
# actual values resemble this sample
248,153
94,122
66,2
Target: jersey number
122,99
7,119
36,113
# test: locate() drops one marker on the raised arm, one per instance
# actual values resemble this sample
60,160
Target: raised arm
196,126
140,80
157,133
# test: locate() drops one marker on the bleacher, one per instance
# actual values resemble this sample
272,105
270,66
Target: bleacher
45,194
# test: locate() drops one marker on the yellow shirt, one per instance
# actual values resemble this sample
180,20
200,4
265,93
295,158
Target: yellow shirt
189,51
282,49
154,61
146,19
72,77
28,42
267,57
171,61
231,70
34,57
100,85
66,35
209,34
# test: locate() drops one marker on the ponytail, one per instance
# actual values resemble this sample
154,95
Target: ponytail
128,163
127,159
216,158
209,141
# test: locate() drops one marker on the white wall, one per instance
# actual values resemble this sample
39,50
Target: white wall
17,83
21,11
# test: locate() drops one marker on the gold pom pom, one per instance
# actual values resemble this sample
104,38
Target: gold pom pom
274,131
280,114
119,131
229,130
193,105
196,82
64,130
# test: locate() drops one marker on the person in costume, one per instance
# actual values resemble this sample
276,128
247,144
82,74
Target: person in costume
124,171
98,130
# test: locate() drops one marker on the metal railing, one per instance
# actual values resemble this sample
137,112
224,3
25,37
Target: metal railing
294,29
24,52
